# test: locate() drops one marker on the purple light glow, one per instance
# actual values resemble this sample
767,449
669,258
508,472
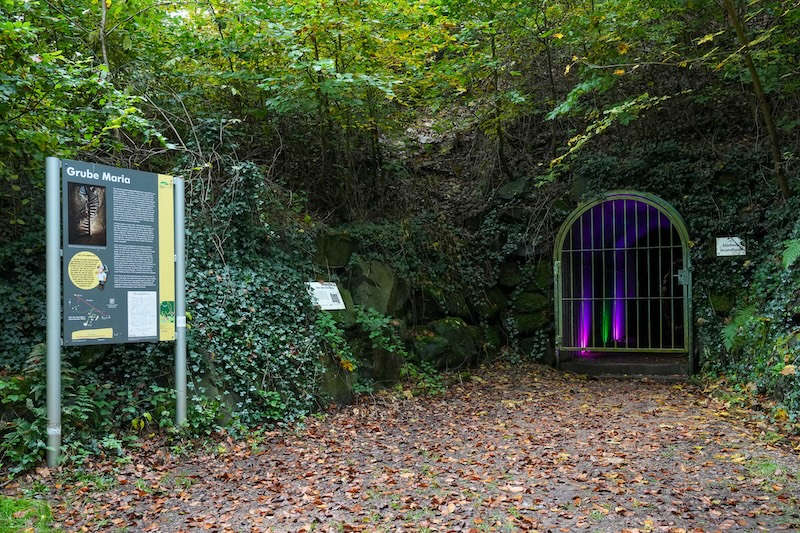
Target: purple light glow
631,234
585,323
628,221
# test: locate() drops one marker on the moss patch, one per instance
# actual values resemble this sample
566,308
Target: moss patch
19,514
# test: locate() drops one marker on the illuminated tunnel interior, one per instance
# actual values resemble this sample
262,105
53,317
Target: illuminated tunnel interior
620,288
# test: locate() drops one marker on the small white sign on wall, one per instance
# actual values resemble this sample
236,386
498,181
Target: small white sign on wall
730,246
326,295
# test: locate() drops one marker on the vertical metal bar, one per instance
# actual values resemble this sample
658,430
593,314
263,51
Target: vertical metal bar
593,330
625,304
571,285
672,284
649,287
636,285
580,302
53,204
660,299
687,309
557,297
180,305
603,294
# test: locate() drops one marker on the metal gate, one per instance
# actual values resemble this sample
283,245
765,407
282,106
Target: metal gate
623,281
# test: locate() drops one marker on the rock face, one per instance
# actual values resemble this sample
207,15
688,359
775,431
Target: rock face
488,305
334,249
722,302
337,384
531,302
531,323
453,329
461,346
345,317
376,286
509,275
386,367
448,303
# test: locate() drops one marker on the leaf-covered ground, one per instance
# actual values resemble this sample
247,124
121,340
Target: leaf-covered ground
514,449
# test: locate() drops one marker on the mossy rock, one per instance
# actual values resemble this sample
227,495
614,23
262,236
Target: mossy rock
490,304
337,383
509,275
531,302
722,302
491,340
345,317
378,287
334,249
448,303
530,323
428,346
544,354
512,189
543,275
462,348
386,366
378,364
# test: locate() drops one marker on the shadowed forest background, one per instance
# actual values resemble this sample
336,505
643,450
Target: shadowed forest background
420,153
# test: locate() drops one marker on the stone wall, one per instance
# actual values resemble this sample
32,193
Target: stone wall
442,326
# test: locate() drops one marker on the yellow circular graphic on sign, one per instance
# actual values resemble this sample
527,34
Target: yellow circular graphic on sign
83,269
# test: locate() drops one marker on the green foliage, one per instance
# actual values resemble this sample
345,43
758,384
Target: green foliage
54,101
20,514
412,121
22,298
334,339
252,341
423,378
89,409
380,330
791,253
744,322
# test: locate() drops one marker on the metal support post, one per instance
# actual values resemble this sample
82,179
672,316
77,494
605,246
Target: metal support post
53,205
180,306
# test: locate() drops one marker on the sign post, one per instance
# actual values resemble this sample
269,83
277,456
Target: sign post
180,307
121,253
53,205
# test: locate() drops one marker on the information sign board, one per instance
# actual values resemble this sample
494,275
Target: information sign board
118,246
728,246
326,295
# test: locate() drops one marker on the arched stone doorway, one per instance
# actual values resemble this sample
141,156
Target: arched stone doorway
622,280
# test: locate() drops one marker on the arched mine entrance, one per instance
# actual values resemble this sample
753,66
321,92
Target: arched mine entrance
623,286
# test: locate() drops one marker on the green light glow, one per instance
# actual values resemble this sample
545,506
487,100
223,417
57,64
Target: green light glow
606,322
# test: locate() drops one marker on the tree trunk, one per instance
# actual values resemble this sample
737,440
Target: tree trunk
501,151
761,97
102,34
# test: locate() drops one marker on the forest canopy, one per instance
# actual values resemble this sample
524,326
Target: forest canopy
428,148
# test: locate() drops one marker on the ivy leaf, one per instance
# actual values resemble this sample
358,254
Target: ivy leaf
791,253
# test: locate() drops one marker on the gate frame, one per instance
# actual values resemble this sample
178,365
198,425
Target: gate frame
677,222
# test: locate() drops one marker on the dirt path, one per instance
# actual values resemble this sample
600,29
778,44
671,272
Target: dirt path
529,449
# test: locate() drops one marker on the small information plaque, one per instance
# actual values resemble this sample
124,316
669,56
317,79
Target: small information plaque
727,246
326,295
